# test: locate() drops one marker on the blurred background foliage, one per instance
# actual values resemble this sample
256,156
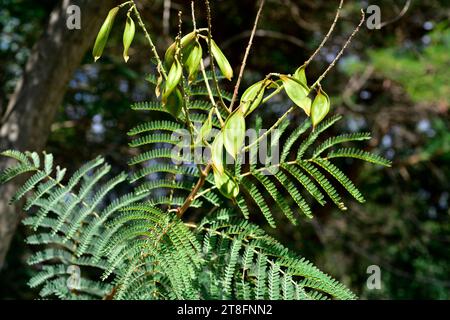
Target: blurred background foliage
392,82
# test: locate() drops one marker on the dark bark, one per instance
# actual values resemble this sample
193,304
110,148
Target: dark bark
32,107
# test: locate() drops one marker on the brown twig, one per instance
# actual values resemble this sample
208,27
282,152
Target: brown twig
201,181
400,15
332,64
265,34
330,31
141,23
247,52
213,67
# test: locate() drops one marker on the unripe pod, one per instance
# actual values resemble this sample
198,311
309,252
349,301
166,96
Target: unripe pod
128,36
297,92
226,184
300,75
173,79
221,60
174,103
193,61
217,154
103,34
205,130
253,96
169,57
234,132
320,107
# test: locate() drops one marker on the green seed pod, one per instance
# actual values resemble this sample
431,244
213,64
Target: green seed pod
174,103
320,107
103,34
205,130
169,57
221,60
217,154
249,96
128,36
234,132
193,61
226,184
297,92
300,75
173,79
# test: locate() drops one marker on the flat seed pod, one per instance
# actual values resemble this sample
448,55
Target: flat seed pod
128,36
320,107
174,103
173,79
217,154
103,34
226,184
169,57
205,130
300,75
193,61
234,133
221,60
297,92
253,96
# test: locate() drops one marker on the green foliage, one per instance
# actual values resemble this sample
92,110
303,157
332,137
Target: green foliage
148,253
95,243
423,75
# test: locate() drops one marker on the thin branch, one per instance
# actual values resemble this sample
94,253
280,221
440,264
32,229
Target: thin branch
401,14
203,173
210,94
150,41
125,4
295,13
194,22
363,17
247,52
276,124
213,67
198,186
205,77
330,31
265,34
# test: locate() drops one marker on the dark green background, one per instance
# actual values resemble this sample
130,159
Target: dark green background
392,82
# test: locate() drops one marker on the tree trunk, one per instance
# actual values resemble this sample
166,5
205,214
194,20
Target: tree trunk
32,108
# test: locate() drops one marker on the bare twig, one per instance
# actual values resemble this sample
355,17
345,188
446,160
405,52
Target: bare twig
325,39
210,94
149,39
338,56
198,186
247,52
276,124
213,67
265,34
205,78
295,13
194,22
401,14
